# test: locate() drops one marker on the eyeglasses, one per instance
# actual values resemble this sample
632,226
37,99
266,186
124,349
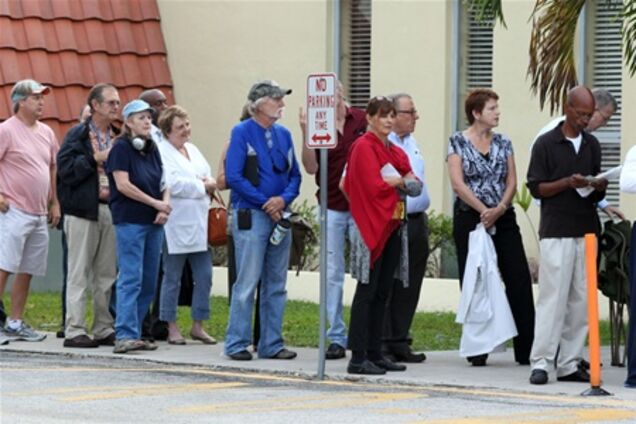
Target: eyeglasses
581,115
606,118
112,103
410,112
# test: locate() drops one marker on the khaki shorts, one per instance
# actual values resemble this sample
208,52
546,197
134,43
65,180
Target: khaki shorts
24,242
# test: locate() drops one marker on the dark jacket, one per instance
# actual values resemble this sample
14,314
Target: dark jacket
77,177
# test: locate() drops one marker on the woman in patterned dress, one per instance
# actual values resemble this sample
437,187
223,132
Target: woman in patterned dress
483,176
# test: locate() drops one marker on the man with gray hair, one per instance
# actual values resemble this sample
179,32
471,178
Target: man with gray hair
27,195
262,171
90,235
403,299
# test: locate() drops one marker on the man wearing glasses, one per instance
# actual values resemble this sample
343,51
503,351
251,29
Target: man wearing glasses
84,193
155,98
606,106
560,161
402,301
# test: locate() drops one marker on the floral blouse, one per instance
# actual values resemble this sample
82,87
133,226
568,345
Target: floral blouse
485,175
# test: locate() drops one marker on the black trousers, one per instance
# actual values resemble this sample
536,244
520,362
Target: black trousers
369,300
513,267
402,301
631,340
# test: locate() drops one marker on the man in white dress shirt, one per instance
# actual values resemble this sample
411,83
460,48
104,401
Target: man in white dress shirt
402,302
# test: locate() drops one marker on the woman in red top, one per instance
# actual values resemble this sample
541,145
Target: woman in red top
377,173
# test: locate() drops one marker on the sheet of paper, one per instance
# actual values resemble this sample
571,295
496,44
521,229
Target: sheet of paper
389,170
610,174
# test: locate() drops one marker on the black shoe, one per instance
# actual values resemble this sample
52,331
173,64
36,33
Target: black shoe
524,362
82,341
107,341
3,315
584,365
284,354
366,367
578,376
389,355
60,334
409,357
538,377
478,361
335,351
243,355
387,365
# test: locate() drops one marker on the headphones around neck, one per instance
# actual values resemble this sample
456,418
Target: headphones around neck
143,145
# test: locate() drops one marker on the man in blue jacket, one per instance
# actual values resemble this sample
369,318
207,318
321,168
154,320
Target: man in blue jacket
262,171
90,235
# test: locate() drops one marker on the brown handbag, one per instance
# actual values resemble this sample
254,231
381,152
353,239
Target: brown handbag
217,222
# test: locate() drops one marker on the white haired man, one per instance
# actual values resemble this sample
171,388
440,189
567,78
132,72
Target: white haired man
28,200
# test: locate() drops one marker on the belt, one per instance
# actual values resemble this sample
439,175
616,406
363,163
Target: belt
414,215
103,202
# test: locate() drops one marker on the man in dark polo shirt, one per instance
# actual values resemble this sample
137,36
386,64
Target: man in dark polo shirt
562,161
350,123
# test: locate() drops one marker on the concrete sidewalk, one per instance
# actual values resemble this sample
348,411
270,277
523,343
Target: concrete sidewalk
442,368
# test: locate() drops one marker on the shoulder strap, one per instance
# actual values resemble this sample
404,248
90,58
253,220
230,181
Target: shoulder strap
219,199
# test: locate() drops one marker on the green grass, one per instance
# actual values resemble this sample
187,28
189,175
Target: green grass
430,330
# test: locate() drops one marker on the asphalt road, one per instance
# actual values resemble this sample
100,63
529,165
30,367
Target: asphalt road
56,389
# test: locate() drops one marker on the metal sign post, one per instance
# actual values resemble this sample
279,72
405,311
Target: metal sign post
321,134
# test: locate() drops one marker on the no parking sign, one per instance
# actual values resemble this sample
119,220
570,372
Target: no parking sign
321,111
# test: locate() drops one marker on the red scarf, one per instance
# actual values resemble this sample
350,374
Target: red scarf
371,200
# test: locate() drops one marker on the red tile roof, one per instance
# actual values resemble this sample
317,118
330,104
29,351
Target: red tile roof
72,45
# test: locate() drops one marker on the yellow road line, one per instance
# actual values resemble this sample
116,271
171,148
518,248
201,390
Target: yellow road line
560,416
315,402
169,389
85,389
558,398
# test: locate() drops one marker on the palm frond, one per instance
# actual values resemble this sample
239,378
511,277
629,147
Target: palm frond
486,10
552,67
629,36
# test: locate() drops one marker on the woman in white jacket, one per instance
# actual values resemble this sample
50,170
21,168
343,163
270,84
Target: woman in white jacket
188,177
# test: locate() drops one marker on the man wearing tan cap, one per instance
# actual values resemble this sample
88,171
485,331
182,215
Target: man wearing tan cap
27,200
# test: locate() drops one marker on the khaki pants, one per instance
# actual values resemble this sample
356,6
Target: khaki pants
561,310
92,264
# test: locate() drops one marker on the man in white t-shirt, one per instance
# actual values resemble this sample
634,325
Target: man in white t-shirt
28,200
606,106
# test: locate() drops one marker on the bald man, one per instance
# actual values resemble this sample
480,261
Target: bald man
155,98
562,161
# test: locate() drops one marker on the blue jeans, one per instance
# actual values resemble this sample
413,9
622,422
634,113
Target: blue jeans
339,226
138,252
201,264
257,259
